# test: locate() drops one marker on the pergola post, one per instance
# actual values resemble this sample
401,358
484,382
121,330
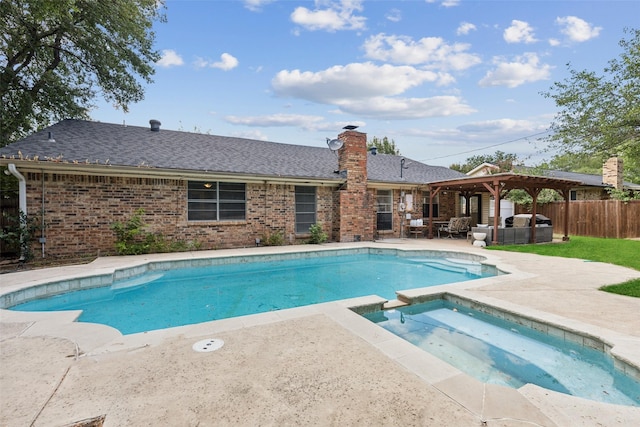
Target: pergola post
565,238
533,192
495,192
433,192
566,193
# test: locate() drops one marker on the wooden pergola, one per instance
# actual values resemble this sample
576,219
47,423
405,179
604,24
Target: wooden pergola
503,182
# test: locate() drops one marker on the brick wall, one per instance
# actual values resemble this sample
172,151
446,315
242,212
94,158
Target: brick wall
80,209
356,203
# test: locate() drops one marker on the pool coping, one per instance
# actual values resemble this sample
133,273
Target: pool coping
19,293
102,340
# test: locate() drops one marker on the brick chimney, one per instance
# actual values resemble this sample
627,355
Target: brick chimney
612,172
355,210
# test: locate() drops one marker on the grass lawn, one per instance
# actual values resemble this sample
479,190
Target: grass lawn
613,251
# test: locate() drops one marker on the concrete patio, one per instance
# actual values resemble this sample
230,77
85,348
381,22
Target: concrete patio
314,365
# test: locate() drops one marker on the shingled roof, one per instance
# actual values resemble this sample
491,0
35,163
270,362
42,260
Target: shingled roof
585,179
88,142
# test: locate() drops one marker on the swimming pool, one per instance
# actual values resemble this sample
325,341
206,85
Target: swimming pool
499,351
167,294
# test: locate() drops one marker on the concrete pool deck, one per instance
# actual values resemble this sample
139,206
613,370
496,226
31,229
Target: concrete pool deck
315,365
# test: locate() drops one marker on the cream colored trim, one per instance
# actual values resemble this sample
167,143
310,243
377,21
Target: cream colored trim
372,185
144,172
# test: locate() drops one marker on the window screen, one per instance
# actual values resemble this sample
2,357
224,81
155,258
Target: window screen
305,208
216,201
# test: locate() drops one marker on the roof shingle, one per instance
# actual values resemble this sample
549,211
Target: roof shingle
134,146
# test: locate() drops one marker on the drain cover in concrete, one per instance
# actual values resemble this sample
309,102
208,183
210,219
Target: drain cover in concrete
210,344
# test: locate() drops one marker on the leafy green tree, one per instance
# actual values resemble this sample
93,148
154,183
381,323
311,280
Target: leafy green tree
56,56
521,197
504,161
384,146
579,162
600,114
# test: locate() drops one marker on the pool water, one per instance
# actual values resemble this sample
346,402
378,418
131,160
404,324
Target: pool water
496,351
161,299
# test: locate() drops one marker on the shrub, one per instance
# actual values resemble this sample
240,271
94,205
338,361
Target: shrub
273,239
317,235
133,239
19,234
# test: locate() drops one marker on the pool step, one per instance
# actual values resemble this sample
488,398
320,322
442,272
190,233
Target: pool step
453,265
136,281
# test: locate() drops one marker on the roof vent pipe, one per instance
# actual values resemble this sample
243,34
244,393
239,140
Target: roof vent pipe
373,150
155,125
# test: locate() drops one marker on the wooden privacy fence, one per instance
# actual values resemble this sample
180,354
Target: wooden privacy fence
596,218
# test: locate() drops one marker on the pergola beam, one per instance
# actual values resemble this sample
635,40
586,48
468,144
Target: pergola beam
495,184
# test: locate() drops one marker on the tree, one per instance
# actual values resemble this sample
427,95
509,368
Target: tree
569,162
600,114
56,56
384,146
504,161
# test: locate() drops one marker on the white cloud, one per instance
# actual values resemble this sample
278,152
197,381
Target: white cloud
200,63
274,120
338,15
351,81
394,15
517,136
170,58
500,126
465,28
524,69
519,32
256,5
445,3
450,3
227,62
306,122
432,52
369,90
576,29
554,42
407,108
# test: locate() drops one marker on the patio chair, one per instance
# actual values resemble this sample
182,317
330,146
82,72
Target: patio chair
451,228
458,226
465,226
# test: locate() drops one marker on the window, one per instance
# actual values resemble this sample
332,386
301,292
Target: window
573,195
384,216
215,201
435,206
305,208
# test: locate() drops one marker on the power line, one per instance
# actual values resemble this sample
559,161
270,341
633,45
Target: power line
488,146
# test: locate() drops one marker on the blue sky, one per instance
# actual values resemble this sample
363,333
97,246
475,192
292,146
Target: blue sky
444,79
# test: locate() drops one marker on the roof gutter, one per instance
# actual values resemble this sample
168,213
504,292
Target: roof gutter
22,202
150,172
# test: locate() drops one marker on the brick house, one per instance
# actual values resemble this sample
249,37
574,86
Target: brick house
594,187
79,177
